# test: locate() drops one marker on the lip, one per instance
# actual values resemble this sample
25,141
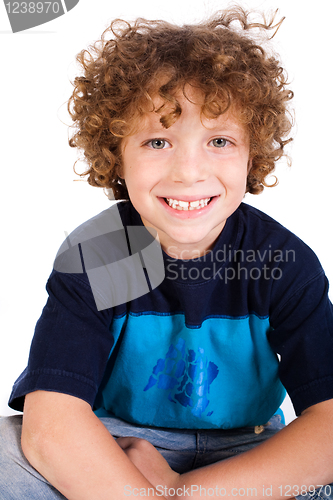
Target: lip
188,214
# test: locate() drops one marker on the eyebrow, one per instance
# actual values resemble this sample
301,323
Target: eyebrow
227,124
221,127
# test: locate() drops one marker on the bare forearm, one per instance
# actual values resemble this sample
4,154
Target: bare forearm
79,457
299,455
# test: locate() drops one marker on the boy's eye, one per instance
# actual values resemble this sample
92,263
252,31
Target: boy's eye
219,142
158,143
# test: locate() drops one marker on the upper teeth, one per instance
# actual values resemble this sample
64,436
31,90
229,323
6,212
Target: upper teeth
187,205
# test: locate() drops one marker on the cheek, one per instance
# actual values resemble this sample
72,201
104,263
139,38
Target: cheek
235,179
138,182
143,175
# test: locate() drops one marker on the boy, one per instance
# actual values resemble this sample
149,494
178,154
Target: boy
180,122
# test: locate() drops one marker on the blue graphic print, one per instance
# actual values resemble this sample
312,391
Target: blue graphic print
187,375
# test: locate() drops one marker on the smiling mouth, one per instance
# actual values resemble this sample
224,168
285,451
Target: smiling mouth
188,205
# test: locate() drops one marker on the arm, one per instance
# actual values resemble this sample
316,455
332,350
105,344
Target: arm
300,454
64,440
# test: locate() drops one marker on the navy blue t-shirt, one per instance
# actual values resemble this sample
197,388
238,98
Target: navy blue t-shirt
214,345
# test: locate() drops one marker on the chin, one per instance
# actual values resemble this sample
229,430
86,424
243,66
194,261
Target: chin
190,240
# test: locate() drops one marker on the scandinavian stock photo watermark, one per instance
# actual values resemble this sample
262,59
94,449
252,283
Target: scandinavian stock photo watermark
228,264
122,263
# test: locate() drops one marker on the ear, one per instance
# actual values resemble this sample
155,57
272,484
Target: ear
120,166
249,166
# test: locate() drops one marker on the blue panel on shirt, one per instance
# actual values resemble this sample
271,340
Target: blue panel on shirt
223,374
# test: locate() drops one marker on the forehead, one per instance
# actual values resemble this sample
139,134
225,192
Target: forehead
189,102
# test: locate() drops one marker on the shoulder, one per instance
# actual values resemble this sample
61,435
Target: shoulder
254,218
105,251
259,230
292,266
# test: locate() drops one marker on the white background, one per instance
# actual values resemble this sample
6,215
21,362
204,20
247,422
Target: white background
39,198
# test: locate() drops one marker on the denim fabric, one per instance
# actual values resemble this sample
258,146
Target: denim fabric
183,449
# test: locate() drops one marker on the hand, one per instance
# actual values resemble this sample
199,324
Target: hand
148,461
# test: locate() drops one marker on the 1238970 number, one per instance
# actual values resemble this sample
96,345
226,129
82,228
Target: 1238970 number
32,7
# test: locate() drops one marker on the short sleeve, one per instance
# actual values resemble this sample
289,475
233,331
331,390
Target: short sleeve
71,343
302,334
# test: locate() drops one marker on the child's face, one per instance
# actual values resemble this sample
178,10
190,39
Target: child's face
195,160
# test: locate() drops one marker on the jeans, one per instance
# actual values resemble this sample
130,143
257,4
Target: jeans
183,449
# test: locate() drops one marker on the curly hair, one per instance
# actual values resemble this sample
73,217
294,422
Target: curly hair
134,62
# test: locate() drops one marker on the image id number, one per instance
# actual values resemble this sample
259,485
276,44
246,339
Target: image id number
294,490
32,7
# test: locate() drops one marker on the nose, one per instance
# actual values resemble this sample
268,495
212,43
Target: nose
189,166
